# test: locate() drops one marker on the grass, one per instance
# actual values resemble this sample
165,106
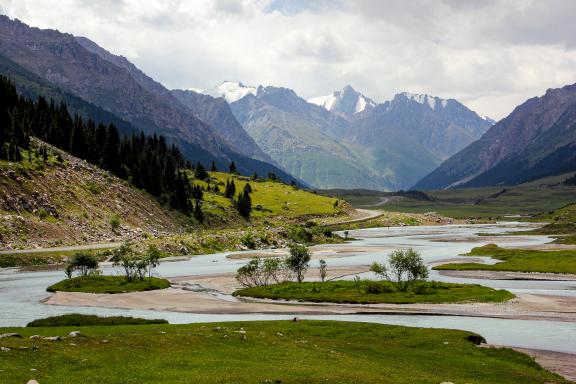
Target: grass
263,352
518,260
107,284
77,319
482,203
270,198
44,258
374,292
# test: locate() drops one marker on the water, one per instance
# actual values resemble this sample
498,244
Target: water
21,292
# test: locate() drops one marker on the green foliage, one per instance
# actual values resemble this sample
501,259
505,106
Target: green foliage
79,320
42,213
244,203
298,261
83,262
107,284
262,271
372,292
406,268
114,222
518,260
323,270
94,188
334,352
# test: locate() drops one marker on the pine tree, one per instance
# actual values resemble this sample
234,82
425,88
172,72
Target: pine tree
198,214
244,204
200,172
232,167
213,167
230,190
247,188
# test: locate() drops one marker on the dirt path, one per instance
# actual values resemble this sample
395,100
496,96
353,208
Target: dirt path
84,247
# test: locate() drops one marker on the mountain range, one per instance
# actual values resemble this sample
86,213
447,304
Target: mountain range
75,66
342,140
347,140
537,139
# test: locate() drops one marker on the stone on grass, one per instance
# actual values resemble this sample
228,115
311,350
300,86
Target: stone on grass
12,334
75,334
52,338
5,349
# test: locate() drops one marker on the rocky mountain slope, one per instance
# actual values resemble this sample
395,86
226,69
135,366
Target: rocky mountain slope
537,139
217,113
89,72
49,203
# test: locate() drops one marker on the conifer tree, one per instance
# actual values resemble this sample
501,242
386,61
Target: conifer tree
232,167
230,190
213,167
200,172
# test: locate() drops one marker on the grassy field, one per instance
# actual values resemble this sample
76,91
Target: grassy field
107,284
374,292
262,352
485,203
79,320
519,260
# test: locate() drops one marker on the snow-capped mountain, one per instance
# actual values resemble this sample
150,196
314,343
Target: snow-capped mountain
232,91
432,101
346,102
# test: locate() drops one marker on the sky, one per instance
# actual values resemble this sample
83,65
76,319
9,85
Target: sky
489,54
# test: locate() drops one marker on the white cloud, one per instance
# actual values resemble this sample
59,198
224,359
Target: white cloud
489,54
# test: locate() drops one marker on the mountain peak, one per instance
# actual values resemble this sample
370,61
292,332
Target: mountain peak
232,91
346,102
432,101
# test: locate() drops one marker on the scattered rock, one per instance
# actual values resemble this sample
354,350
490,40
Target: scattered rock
241,331
295,319
53,338
32,382
13,334
75,334
104,341
217,329
34,337
5,349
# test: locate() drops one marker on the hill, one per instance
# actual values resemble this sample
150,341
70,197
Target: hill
536,140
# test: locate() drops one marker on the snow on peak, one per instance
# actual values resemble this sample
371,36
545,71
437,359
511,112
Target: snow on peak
324,101
425,99
233,91
196,90
332,101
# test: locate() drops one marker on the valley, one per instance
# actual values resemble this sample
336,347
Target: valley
255,232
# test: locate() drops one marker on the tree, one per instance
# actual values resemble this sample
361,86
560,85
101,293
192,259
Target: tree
247,188
299,260
323,270
258,272
200,172
255,176
213,167
244,204
152,259
127,259
198,213
232,167
83,262
406,269
230,189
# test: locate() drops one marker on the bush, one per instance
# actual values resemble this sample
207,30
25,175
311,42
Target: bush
375,288
42,213
259,272
248,241
298,260
406,269
115,222
78,320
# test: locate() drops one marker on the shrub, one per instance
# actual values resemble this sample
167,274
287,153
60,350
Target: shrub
77,320
406,269
258,272
115,222
42,213
248,241
298,260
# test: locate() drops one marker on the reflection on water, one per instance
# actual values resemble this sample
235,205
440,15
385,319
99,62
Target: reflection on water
21,293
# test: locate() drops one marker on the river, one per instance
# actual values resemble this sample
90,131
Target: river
21,293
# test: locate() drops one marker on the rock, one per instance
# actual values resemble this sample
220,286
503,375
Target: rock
476,339
52,338
295,320
13,334
5,349
104,341
75,334
32,382
34,337
217,329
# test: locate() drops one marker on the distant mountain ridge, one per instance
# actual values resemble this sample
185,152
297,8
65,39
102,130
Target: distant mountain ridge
537,139
82,68
346,140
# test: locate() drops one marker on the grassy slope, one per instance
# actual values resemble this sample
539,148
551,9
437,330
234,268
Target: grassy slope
519,260
107,284
348,292
263,352
79,200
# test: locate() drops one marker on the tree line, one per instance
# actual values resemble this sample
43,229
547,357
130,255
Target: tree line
147,162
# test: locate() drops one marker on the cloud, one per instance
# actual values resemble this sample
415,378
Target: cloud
490,54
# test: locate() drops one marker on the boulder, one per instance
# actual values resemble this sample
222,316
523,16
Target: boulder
476,339
53,338
12,334
75,334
